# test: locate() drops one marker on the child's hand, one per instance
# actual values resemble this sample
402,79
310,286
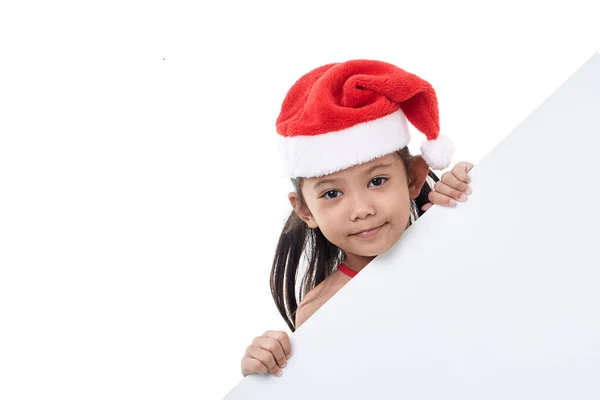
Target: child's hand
267,353
453,186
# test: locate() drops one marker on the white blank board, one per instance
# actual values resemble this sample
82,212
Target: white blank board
496,298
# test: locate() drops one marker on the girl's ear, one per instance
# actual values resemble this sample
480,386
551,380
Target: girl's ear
302,211
417,175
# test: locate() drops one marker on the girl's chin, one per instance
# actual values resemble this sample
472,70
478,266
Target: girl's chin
373,252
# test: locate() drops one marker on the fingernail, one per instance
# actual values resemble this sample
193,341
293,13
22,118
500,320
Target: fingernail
284,365
469,190
451,203
279,373
463,197
289,356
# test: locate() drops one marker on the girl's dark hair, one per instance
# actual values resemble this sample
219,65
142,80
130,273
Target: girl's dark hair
322,256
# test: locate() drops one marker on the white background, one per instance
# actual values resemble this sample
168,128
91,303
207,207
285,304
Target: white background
140,191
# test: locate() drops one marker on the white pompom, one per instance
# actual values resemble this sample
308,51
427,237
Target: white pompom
438,153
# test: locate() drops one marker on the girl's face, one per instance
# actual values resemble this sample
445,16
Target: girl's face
365,209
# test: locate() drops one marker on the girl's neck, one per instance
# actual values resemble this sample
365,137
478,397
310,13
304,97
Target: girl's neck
357,263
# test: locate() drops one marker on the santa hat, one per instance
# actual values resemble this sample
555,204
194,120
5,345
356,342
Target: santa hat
344,114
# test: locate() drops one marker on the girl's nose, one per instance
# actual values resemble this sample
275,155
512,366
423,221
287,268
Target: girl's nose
361,208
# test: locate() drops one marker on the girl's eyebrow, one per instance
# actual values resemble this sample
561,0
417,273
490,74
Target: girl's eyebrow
367,172
324,181
376,166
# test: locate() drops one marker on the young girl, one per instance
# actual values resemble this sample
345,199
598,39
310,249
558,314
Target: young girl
343,133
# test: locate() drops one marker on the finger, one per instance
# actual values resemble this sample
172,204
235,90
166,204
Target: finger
444,189
274,347
426,206
455,183
283,339
252,362
441,199
461,170
262,355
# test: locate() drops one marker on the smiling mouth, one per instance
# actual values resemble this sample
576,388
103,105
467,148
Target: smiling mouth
369,233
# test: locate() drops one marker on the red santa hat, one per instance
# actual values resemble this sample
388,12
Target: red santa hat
344,114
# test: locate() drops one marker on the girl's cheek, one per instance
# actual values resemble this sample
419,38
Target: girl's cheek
331,204
331,214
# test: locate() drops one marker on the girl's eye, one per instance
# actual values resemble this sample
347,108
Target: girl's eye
331,194
378,181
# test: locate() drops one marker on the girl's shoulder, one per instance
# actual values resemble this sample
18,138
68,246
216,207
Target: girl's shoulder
319,295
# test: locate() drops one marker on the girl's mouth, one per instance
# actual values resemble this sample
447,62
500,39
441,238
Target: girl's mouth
369,233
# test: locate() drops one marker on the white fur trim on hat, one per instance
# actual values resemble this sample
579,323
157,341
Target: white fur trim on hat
324,154
438,153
